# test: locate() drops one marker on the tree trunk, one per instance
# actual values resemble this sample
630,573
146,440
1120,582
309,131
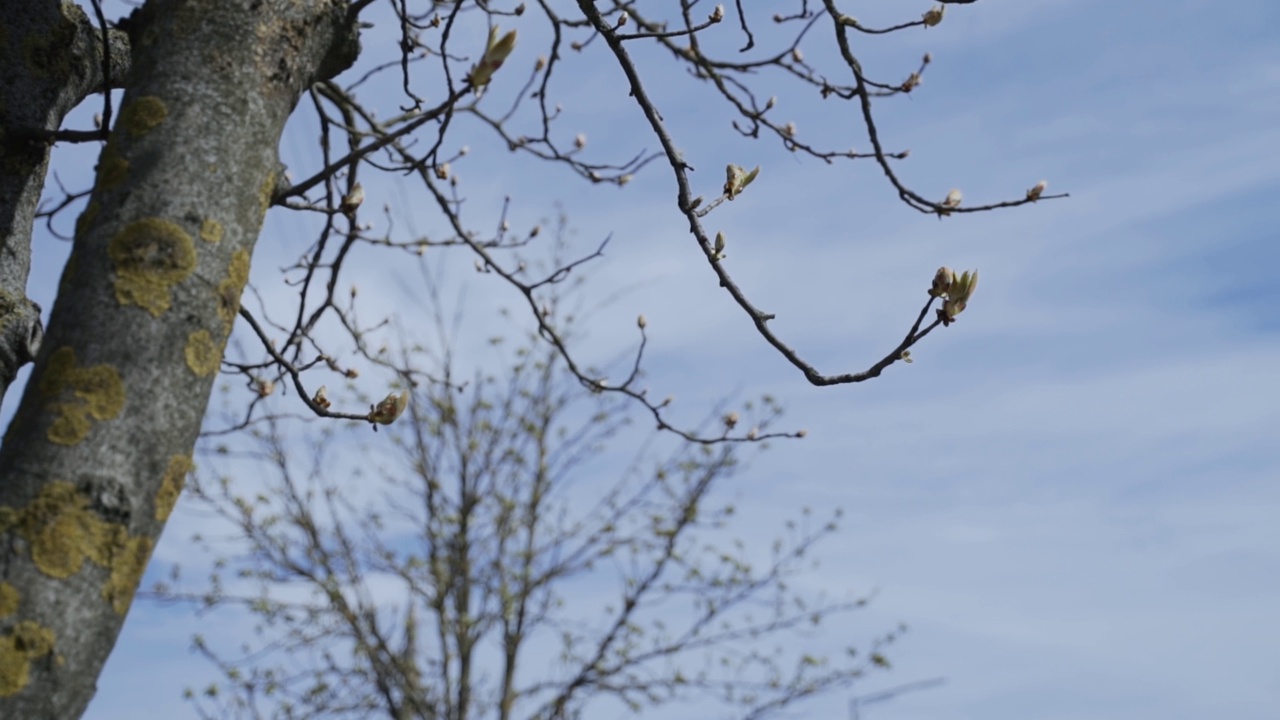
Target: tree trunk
96,456
51,57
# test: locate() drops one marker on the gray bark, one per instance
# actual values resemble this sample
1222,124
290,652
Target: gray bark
95,457
51,57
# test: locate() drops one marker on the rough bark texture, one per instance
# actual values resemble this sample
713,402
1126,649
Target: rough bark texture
51,57
96,455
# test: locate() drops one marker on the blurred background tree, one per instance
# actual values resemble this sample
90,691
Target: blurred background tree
496,554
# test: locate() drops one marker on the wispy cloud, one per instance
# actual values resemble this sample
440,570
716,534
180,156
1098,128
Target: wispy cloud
1070,495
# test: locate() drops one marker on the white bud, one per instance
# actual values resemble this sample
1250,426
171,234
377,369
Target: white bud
391,407
352,199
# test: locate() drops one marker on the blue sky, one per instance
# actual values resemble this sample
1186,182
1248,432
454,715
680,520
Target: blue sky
1071,496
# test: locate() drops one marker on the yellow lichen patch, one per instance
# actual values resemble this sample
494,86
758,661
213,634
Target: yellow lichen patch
63,532
9,599
87,217
142,115
266,192
231,286
210,230
98,391
111,167
128,560
70,428
150,257
202,353
175,476
27,641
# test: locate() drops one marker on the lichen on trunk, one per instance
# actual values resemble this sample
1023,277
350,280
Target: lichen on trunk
144,308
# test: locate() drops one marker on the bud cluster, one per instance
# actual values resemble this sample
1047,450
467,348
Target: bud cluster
955,289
